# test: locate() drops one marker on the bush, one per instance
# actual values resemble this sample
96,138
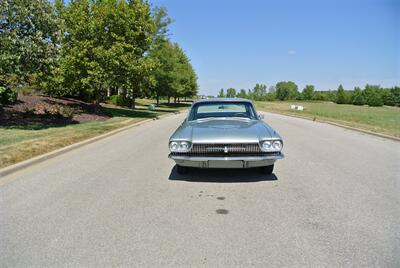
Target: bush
341,97
25,90
8,96
68,112
374,99
358,99
120,100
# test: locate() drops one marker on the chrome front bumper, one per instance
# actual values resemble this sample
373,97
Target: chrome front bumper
226,162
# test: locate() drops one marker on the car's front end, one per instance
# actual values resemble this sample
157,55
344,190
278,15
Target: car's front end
225,155
225,134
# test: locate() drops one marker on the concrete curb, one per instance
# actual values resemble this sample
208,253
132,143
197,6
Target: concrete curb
40,158
340,125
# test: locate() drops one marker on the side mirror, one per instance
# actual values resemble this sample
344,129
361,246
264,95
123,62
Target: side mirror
260,116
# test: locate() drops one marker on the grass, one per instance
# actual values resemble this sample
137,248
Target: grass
18,144
385,120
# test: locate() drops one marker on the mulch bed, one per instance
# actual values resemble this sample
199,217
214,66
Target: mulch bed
43,111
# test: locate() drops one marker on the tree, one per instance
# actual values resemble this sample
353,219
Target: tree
259,92
372,95
105,45
341,95
29,41
242,94
231,93
166,58
387,97
174,75
185,82
221,93
286,90
395,95
357,97
308,92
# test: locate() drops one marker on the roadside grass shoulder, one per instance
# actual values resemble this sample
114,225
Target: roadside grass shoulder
385,120
24,142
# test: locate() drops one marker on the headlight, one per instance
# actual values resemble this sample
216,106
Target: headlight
272,146
179,146
267,145
277,146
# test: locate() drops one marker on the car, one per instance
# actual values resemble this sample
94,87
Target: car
225,133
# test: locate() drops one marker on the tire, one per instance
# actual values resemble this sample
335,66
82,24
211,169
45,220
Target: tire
267,169
182,170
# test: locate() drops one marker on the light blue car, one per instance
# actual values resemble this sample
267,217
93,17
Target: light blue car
225,133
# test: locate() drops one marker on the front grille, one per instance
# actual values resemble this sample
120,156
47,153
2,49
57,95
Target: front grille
241,149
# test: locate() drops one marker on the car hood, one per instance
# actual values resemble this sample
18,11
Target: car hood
225,131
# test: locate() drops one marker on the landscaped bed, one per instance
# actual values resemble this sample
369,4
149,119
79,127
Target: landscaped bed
38,124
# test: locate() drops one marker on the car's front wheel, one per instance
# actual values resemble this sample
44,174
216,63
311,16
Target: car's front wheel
182,169
267,169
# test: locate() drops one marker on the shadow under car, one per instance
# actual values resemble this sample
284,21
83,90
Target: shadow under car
219,175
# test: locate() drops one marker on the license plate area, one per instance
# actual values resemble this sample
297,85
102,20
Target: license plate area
225,164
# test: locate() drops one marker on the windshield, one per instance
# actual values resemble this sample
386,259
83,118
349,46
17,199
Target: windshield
222,109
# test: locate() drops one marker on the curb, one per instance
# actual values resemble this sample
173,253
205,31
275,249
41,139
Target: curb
340,125
41,158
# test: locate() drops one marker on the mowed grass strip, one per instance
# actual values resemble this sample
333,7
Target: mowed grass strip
385,120
21,143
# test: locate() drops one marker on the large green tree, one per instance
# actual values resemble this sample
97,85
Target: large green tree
29,41
105,46
308,92
286,90
174,75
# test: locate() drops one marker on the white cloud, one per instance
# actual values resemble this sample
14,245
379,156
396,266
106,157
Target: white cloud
292,52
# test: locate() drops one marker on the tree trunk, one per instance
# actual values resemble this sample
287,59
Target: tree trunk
174,99
185,98
133,104
179,99
158,100
169,99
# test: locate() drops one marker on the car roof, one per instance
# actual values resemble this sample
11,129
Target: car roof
223,100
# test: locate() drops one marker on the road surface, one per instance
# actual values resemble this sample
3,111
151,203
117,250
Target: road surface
334,201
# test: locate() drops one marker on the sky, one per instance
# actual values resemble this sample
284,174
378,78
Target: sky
238,43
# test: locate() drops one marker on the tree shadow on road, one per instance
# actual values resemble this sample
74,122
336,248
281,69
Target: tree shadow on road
221,175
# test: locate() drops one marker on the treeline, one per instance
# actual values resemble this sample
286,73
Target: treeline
91,49
371,95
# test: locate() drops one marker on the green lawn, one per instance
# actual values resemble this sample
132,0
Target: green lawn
18,144
384,120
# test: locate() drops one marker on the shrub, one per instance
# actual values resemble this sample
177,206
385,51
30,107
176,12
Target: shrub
25,90
8,96
358,99
68,112
395,95
341,97
374,99
120,100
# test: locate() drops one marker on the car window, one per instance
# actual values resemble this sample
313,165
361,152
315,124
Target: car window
222,109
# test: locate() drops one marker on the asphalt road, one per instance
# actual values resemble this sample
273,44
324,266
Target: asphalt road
334,201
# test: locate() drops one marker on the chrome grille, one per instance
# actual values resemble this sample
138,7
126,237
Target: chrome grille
240,148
